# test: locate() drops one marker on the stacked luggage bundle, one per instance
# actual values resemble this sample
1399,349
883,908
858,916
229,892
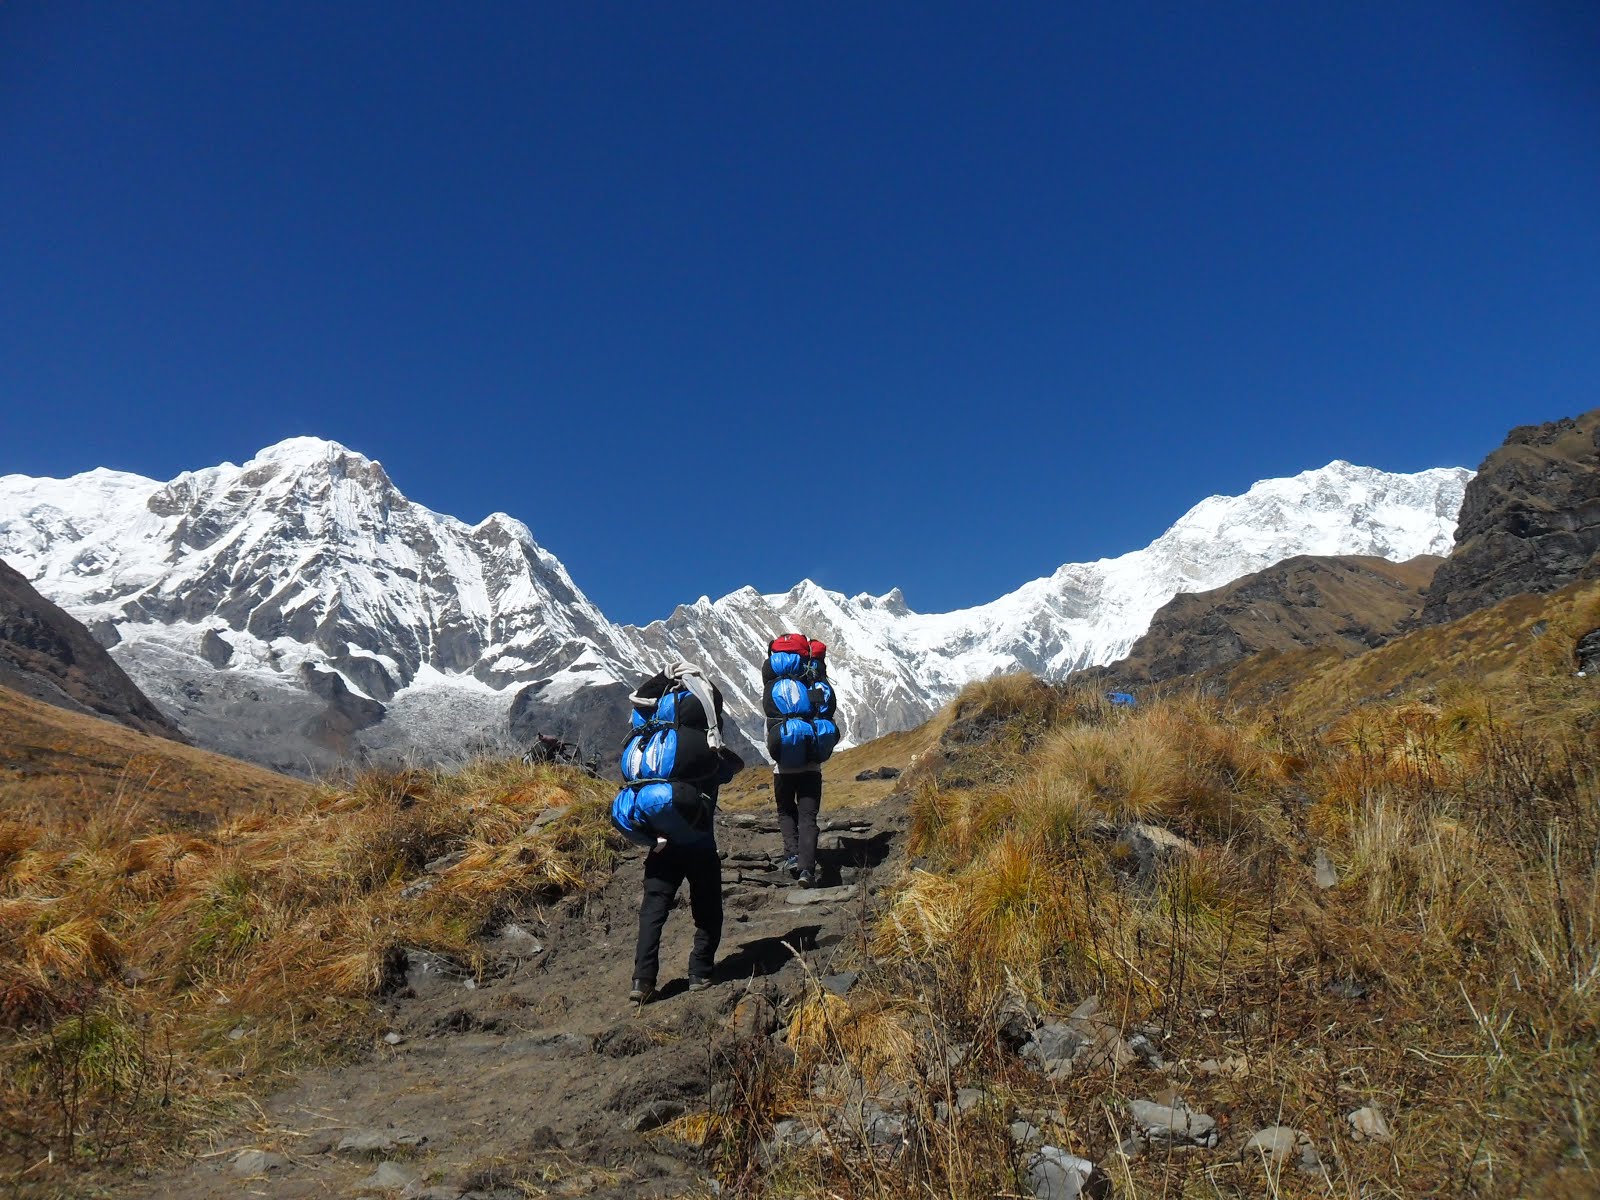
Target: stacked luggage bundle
801,709
670,762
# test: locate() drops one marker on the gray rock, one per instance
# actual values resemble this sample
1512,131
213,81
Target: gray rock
1173,1124
1053,1047
790,1134
1275,1143
257,1162
1367,1125
1323,869
968,1098
841,983
1025,1133
1145,1050
1054,1174
1309,1161
654,1115
513,941
1150,846
375,1143
831,895
548,816
883,1128
392,1039
390,1177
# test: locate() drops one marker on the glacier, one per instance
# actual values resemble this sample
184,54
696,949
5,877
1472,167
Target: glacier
230,592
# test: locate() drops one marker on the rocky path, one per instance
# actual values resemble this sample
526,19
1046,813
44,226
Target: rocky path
539,1074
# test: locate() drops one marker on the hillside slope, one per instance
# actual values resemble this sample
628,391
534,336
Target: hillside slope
1341,604
1520,645
46,654
77,768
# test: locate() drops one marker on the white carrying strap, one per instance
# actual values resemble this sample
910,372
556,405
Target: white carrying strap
691,678
695,681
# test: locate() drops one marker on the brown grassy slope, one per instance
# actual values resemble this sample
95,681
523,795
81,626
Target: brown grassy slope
1345,604
1448,975
1524,637
143,969
65,768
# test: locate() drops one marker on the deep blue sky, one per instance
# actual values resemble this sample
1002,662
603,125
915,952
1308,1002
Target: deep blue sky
924,295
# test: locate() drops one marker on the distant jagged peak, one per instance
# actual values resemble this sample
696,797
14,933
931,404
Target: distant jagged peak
893,601
305,450
499,525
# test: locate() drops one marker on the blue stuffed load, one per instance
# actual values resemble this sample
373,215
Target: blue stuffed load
672,761
800,704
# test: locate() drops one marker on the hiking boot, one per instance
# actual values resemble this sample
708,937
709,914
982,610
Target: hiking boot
792,865
806,879
698,983
641,991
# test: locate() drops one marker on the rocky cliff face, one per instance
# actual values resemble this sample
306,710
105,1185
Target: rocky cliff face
1349,604
46,654
1530,521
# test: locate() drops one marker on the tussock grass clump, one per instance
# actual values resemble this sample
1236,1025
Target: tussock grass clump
1162,860
129,957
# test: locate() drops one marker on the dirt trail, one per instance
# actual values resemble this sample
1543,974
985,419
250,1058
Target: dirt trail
534,1072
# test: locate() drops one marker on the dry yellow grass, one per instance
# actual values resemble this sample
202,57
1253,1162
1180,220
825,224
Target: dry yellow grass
127,956
59,768
1463,819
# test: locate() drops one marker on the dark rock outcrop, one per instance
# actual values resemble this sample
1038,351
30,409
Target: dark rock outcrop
1530,521
346,714
216,649
1350,604
48,655
1587,652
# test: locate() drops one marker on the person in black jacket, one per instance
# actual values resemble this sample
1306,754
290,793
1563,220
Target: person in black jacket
681,835
801,732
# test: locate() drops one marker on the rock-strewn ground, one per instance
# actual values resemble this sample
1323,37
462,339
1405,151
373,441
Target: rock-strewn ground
540,1069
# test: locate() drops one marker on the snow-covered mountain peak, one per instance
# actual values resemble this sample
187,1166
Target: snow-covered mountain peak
305,451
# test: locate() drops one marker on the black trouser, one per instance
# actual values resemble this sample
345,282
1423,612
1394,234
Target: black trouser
664,872
799,797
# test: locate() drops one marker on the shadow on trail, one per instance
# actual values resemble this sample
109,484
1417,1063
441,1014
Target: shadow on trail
766,956
862,853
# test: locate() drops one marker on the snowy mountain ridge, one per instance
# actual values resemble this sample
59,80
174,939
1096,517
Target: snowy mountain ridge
299,608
